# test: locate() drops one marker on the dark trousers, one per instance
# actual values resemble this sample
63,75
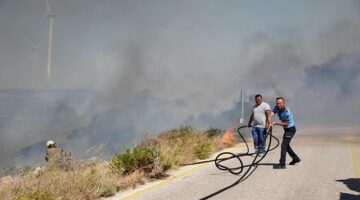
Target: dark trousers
285,145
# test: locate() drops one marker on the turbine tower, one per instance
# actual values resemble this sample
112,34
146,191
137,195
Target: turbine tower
50,16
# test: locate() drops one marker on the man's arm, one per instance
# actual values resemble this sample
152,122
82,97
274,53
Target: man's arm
271,116
268,118
251,119
282,123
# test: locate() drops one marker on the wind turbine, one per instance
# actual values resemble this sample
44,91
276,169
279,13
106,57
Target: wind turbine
50,16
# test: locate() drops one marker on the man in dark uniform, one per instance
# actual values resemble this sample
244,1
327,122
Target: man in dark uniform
287,122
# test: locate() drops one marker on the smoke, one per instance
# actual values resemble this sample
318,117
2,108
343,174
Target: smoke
276,61
341,71
30,117
334,88
325,93
138,67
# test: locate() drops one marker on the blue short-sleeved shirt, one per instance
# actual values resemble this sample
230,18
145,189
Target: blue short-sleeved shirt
286,116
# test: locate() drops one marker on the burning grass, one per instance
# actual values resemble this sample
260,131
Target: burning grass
228,138
91,180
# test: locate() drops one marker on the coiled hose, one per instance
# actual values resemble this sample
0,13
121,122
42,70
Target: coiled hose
238,170
224,156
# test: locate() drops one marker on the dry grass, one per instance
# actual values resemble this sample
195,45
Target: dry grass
85,180
131,180
183,145
75,179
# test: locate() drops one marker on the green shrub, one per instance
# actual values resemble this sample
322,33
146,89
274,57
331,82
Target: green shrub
166,162
135,159
183,145
204,148
212,132
175,148
182,132
107,189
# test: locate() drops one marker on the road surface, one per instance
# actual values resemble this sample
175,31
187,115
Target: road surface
330,169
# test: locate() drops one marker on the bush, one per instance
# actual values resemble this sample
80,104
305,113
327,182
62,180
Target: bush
180,133
107,189
132,160
166,162
183,145
213,132
204,148
35,195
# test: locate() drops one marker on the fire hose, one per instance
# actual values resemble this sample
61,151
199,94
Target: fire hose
238,170
224,156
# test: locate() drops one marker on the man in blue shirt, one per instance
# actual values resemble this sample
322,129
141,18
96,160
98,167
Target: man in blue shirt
287,122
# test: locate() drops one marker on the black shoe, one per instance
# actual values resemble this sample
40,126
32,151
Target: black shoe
279,166
294,161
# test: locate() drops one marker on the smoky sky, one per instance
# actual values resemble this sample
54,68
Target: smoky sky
122,68
343,70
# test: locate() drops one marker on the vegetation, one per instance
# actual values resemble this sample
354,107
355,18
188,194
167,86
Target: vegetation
35,195
133,159
75,179
213,132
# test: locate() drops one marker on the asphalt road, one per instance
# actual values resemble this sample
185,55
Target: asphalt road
330,169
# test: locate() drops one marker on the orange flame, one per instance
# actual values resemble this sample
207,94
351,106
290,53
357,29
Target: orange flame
228,139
